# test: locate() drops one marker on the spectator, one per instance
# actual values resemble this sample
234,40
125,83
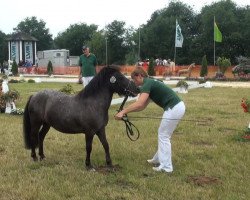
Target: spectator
1,66
87,63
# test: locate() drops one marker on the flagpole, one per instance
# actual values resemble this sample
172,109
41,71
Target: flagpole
174,54
106,45
139,47
175,40
214,41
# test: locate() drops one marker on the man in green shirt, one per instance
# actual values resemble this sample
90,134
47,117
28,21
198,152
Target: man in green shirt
174,109
87,63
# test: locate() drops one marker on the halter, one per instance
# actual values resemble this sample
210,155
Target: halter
127,91
133,136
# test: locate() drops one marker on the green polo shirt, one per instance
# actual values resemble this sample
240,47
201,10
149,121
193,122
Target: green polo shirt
88,65
160,93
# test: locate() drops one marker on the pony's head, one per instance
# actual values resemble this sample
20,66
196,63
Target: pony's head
112,79
119,83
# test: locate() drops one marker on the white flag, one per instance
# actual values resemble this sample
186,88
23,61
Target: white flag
178,36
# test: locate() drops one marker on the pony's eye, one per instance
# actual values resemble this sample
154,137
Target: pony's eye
112,79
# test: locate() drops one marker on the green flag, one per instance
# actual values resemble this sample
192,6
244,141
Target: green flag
217,33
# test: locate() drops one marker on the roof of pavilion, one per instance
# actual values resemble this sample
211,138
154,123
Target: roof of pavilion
21,37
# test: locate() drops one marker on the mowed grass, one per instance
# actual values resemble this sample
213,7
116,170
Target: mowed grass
206,146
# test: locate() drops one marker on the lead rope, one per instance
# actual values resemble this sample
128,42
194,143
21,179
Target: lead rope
132,135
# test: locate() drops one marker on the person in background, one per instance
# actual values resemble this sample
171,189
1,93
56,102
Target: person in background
87,63
2,68
174,109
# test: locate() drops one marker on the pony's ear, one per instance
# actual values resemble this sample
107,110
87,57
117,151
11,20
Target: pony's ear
112,79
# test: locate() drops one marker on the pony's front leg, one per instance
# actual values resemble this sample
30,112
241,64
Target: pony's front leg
88,140
102,137
33,154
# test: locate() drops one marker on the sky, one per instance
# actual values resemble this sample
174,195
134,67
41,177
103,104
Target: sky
59,15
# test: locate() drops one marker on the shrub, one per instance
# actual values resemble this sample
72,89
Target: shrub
151,70
223,64
68,89
14,68
182,83
50,68
31,81
13,81
204,71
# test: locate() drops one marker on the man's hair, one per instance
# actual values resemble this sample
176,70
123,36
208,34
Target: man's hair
139,71
85,47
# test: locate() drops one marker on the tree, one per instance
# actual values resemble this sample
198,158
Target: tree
158,35
151,66
203,71
74,37
14,68
97,45
37,29
131,41
3,47
117,48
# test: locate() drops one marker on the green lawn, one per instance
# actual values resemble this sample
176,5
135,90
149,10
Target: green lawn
209,160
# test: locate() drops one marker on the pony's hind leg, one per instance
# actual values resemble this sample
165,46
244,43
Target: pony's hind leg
88,140
34,141
41,135
102,137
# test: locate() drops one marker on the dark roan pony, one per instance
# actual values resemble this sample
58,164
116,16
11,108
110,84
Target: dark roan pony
85,112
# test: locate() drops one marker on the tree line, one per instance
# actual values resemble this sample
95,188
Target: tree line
118,44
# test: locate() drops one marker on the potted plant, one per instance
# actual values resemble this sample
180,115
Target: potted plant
11,95
183,85
223,64
245,104
7,100
2,103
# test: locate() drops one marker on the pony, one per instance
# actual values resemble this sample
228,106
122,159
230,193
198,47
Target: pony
186,71
85,112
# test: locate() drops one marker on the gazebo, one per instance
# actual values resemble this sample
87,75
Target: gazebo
22,48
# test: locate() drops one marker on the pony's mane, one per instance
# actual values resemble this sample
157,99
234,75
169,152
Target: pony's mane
100,80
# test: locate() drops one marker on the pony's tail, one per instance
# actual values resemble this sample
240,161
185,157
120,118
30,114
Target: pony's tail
28,139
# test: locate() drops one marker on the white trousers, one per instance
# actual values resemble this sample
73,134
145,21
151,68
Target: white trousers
86,80
171,118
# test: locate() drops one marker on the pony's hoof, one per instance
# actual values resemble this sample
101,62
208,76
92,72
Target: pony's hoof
42,158
90,168
35,159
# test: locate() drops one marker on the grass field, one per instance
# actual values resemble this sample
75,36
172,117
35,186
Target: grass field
209,160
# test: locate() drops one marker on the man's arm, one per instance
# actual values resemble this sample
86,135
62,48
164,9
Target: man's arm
80,65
